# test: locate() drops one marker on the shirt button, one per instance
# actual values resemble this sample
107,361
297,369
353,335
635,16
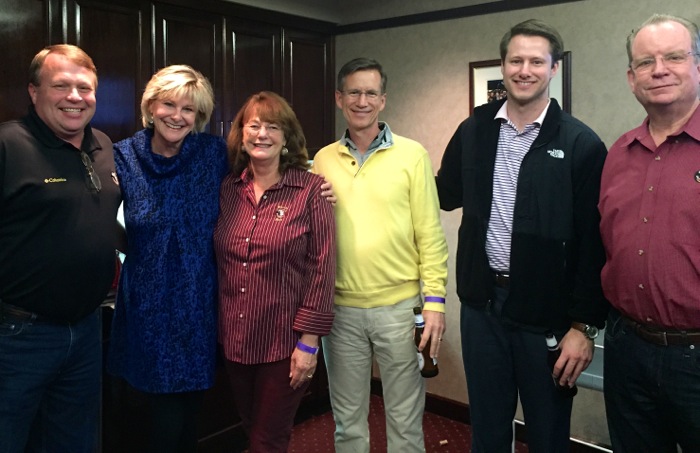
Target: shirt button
353,163
240,315
645,220
641,286
651,188
641,252
247,239
264,197
242,290
657,158
254,217
245,264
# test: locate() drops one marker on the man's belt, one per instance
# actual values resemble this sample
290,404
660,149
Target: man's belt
663,337
501,279
20,314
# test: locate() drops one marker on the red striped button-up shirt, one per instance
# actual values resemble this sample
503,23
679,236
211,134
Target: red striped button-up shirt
276,265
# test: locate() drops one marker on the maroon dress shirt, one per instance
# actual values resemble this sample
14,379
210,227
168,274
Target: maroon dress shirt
276,262
650,210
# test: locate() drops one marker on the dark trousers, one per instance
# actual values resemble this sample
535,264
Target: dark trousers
266,403
652,393
501,363
174,421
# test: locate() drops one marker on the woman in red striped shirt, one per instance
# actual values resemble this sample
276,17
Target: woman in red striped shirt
275,251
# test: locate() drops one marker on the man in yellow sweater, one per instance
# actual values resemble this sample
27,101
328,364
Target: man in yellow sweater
390,247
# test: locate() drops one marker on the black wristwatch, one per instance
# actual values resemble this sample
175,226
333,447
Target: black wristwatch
591,332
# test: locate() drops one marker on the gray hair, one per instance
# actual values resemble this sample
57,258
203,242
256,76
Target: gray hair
663,18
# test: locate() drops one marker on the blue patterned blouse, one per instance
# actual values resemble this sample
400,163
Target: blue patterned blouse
164,328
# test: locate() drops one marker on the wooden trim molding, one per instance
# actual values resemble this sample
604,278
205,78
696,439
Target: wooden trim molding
447,14
258,14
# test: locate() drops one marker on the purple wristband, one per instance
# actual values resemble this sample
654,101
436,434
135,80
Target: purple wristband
439,300
306,348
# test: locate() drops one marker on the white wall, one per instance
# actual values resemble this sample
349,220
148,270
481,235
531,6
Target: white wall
428,70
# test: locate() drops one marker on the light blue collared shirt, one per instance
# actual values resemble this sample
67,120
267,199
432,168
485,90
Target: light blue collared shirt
383,140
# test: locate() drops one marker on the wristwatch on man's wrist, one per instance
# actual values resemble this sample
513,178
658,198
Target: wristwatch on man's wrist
591,332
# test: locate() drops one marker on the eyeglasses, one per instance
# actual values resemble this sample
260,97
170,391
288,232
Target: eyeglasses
355,94
95,183
670,59
255,128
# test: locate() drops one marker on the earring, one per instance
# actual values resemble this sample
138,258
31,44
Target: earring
284,150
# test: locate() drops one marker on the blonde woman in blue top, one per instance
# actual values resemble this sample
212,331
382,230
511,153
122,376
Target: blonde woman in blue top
164,330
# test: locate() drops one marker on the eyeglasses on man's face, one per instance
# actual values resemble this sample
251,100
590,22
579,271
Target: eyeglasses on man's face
95,183
355,94
672,59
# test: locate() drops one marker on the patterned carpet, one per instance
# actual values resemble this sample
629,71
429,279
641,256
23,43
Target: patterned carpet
442,435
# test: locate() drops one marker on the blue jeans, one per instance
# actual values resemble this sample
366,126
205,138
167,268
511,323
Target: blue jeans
504,362
652,393
49,386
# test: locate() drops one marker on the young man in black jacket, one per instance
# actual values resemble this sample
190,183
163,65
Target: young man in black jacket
526,175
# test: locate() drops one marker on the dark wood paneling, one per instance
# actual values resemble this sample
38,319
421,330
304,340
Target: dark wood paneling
308,62
24,28
253,58
188,36
267,16
112,35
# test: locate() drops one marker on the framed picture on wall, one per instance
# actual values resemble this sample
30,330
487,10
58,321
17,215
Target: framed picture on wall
486,83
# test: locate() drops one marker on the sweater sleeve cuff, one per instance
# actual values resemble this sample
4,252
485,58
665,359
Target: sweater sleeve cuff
434,303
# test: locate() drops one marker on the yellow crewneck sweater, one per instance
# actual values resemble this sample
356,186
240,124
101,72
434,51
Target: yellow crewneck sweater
389,235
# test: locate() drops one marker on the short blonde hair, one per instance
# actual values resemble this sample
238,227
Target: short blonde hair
175,82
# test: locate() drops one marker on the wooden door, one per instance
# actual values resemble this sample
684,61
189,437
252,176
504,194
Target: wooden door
308,85
24,31
114,35
253,52
192,37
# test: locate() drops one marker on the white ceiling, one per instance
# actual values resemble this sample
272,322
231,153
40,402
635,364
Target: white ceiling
345,12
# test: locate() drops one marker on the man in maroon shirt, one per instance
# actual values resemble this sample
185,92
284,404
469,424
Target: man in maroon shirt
650,209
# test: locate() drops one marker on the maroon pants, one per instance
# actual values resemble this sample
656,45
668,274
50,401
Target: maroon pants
266,403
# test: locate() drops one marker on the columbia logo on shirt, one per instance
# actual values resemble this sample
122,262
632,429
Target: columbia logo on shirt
556,153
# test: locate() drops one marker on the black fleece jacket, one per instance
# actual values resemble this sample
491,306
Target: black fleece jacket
556,251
